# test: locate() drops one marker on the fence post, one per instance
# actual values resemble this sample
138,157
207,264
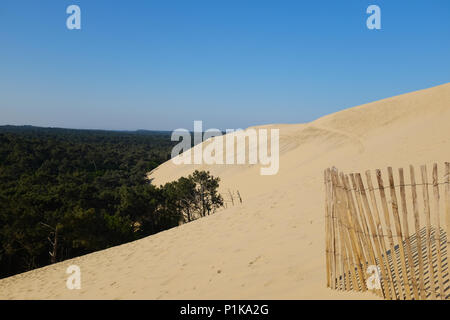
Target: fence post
333,230
383,268
371,234
447,211
355,244
389,232
346,257
231,196
239,195
338,236
381,232
418,234
407,236
360,231
398,229
327,230
437,230
426,201
365,233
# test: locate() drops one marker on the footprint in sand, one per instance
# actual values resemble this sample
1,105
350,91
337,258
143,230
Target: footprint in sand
268,283
251,263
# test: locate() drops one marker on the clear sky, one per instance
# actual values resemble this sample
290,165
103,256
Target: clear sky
161,64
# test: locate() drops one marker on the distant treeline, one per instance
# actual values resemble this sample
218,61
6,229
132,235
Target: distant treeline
65,193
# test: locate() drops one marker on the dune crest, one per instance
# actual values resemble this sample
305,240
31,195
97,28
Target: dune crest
272,245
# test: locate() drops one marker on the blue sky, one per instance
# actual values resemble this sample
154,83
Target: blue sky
235,63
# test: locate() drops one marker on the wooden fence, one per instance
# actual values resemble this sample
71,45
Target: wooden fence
231,198
388,238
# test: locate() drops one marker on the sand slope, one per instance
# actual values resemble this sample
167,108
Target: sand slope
271,246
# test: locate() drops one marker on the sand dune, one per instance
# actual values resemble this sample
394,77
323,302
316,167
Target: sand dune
272,245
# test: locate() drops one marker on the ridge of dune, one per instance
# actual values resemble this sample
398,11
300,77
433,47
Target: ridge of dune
272,245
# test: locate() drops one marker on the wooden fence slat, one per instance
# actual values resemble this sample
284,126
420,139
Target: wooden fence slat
337,241
366,236
359,186
423,295
354,220
345,265
389,232
398,229
437,230
343,241
426,200
327,230
335,231
344,260
350,268
407,235
332,232
343,255
365,233
355,245
381,233
353,259
361,237
447,211
348,236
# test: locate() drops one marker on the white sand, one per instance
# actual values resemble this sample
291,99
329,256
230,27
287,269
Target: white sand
271,246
